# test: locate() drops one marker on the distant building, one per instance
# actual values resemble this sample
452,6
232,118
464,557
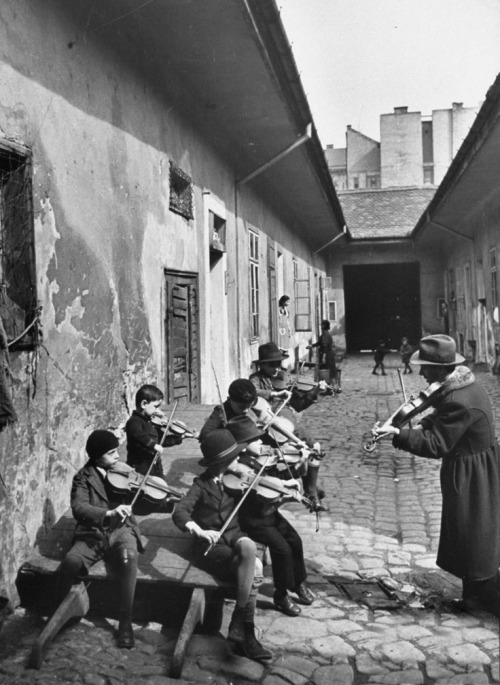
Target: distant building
414,150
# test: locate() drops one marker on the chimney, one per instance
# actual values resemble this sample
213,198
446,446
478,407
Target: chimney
400,110
457,105
329,146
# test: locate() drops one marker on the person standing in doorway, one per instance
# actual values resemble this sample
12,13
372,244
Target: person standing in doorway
284,328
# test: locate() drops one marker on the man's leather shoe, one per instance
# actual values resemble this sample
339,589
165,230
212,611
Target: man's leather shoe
305,594
126,638
287,606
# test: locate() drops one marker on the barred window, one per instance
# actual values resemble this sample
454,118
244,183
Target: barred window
302,301
181,192
18,302
254,283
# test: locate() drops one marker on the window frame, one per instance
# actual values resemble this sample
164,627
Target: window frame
254,289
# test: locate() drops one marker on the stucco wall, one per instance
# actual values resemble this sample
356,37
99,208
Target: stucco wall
102,136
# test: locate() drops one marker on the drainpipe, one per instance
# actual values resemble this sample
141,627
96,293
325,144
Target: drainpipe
330,242
302,139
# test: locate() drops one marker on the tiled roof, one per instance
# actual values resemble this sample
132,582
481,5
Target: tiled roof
384,212
336,156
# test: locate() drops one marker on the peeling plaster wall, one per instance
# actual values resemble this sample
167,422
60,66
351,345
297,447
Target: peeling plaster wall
102,137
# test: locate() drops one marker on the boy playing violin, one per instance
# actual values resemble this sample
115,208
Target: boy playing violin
106,529
261,519
203,512
143,436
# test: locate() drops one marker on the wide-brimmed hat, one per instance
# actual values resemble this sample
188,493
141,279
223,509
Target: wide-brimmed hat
437,350
243,429
219,447
270,352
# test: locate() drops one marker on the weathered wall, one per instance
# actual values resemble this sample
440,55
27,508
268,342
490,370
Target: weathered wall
102,136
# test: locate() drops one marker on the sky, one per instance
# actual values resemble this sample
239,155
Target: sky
359,59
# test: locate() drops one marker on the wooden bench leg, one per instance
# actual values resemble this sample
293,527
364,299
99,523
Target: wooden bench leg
74,605
194,615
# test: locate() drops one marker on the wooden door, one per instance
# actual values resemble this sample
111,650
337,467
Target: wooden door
181,335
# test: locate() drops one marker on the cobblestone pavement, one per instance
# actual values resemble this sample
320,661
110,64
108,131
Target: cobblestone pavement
382,527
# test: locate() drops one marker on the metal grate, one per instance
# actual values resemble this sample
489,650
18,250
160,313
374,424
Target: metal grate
181,192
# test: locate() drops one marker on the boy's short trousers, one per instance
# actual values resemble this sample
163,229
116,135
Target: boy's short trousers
219,561
93,551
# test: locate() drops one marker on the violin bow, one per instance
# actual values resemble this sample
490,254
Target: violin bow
224,415
405,398
153,462
235,510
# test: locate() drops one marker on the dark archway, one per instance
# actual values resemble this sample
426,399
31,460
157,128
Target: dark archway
381,301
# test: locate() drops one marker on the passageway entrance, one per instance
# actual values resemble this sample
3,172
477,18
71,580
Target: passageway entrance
381,301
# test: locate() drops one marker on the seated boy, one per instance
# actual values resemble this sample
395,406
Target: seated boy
203,511
106,529
265,524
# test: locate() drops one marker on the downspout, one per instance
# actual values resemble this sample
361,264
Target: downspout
330,242
302,139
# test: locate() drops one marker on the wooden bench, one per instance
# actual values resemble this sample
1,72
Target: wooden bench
170,586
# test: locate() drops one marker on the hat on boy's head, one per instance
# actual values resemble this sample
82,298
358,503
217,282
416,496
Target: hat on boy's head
243,429
242,390
270,352
437,350
219,447
99,442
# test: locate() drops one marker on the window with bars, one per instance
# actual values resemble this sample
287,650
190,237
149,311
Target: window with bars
493,277
18,302
253,238
181,192
332,310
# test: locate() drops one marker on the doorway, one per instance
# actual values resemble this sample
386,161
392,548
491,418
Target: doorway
182,361
381,301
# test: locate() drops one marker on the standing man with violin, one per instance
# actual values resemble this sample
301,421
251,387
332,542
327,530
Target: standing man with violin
460,432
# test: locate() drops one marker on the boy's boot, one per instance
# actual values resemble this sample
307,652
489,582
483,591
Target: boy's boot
127,566
251,647
236,631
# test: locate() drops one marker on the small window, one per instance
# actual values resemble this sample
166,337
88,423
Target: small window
181,192
428,176
372,181
217,228
355,182
18,303
332,310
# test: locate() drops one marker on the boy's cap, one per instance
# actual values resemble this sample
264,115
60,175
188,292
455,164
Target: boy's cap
242,390
99,442
219,447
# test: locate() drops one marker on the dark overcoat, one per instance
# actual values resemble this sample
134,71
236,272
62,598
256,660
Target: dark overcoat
461,433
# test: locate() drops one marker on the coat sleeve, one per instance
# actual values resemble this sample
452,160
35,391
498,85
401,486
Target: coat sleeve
214,421
441,431
84,512
185,507
261,391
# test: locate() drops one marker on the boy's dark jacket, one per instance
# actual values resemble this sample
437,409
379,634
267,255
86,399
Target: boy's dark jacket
91,498
207,505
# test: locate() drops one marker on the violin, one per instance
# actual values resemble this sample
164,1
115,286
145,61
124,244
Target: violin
280,428
406,412
176,427
268,487
123,478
